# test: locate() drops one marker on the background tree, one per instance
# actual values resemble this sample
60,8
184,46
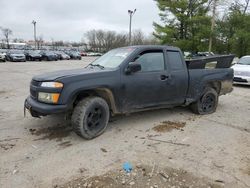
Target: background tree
233,31
185,23
6,32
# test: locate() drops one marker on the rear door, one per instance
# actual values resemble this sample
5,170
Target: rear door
178,77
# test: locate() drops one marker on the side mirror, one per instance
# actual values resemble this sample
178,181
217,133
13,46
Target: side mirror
133,67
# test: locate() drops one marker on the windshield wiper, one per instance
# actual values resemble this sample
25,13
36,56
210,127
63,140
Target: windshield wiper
97,65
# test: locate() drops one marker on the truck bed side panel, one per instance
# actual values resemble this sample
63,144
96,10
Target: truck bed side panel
200,78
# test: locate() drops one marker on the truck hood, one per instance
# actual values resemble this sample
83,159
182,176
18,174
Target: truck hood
51,76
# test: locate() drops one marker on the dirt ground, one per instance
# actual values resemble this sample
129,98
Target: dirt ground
166,148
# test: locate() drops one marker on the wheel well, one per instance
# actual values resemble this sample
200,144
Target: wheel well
104,93
215,85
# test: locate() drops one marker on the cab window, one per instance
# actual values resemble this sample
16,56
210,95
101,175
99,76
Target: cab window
151,61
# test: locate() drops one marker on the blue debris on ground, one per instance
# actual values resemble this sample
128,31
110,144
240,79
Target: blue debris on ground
127,167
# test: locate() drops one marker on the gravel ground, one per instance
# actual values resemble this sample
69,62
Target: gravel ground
204,151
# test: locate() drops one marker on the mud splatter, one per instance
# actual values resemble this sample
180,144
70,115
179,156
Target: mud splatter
6,146
104,150
3,92
65,144
8,143
143,176
167,126
52,133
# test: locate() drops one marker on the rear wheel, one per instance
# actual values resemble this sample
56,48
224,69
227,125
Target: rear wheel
207,103
90,117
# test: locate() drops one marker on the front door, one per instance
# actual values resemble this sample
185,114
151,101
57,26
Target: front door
148,87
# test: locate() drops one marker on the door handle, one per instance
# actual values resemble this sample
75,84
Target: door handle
164,77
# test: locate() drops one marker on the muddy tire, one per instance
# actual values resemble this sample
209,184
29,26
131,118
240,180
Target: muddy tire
207,103
90,117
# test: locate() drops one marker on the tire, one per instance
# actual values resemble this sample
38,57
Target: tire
207,103
90,117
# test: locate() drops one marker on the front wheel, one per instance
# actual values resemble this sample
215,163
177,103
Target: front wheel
207,103
90,117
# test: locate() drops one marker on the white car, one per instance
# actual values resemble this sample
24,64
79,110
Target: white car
2,57
242,71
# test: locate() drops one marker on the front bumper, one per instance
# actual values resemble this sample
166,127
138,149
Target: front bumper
38,109
18,59
244,80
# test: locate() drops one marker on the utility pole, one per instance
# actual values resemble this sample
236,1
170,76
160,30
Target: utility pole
212,26
131,13
34,23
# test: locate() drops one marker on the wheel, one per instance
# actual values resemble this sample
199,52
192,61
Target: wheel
90,117
207,103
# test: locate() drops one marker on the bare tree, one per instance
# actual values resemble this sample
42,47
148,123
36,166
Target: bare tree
246,6
137,37
18,40
103,41
39,42
91,38
7,32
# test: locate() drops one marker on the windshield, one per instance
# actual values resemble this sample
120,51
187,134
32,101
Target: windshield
113,58
33,52
49,53
16,52
244,61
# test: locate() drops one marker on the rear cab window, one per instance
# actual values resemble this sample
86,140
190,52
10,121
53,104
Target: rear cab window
175,60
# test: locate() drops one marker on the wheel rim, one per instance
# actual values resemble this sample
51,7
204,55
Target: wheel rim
95,119
208,102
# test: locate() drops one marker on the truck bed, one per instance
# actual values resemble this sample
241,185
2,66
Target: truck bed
214,68
217,61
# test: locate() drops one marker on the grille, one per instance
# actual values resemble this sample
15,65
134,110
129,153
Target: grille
237,79
35,83
33,92
241,73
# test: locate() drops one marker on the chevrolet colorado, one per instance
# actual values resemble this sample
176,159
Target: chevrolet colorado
130,79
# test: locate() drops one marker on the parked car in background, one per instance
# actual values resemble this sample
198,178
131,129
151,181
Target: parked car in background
242,71
2,56
206,54
74,55
83,53
33,55
94,54
15,56
48,56
62,56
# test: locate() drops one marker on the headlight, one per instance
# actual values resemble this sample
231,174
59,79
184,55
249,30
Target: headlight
52,84
48,97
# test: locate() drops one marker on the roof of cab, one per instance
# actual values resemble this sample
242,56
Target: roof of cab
154,46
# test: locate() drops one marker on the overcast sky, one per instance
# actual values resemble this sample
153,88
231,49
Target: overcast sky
69,19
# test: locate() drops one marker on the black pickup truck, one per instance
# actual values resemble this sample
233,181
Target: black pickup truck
130,79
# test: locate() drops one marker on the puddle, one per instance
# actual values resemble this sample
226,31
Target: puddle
52,133
167,126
